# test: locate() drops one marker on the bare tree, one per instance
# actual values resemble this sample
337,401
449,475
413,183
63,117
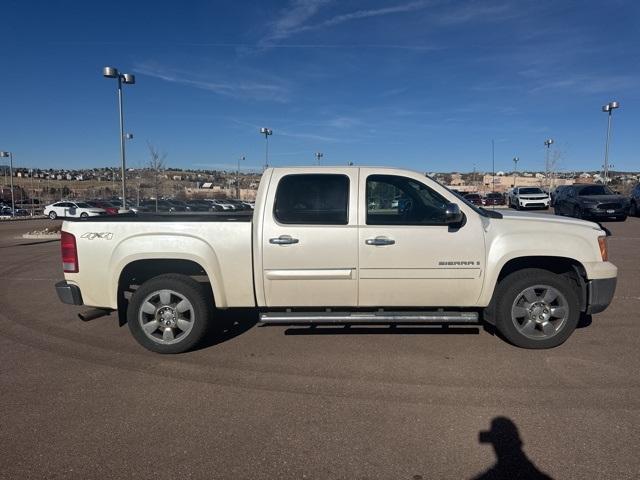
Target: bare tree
156,166
555,160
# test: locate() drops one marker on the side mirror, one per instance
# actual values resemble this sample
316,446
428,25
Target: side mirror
453,214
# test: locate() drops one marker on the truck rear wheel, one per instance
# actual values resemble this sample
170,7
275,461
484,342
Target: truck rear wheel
169,314
536,308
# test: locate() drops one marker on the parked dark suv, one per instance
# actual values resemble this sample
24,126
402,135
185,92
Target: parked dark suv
634,208
558,192
592,202
493,198
474,198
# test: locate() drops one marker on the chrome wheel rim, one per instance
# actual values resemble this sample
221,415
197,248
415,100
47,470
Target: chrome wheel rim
166,317
539,312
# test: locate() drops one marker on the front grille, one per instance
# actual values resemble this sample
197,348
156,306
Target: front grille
531,198
609,206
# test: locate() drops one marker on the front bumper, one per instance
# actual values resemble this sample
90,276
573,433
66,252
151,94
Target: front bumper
600,213
69,293
534,203
600,293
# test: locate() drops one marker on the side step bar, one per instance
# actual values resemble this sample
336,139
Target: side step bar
383,317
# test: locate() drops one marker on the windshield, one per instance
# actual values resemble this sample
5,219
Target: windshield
83,205
596,190
528,191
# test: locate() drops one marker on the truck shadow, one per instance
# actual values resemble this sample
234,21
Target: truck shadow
585,321
228,325
511,460
382,330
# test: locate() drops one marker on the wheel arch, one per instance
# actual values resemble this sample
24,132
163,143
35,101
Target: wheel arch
572,268
137,272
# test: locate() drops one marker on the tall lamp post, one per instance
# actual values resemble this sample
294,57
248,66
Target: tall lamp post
547,143
515,169
608,108
10,155
493,166
242,158
128,79
318,155
266,132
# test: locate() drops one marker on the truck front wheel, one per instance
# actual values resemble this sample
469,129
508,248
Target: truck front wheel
169,314
536,308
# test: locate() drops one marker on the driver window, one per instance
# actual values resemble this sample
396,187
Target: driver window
394,200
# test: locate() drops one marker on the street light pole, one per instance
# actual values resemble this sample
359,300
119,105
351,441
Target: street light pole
608,108
515,169
13,202
547,143
493,165
238,177
266,132
318,155
128,79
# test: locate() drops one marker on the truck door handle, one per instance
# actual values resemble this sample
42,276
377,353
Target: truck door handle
283,240
379,241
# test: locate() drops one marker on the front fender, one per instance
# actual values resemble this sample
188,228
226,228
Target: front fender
511,246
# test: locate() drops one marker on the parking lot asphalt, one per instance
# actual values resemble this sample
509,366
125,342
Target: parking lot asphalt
83,400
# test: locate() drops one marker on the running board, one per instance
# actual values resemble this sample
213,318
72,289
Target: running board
437,317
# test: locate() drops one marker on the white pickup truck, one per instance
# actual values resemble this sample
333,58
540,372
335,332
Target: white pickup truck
348,245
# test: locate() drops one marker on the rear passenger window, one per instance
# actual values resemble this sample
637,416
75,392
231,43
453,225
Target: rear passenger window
315,199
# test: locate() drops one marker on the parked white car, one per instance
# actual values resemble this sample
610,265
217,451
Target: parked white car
529,197
72,209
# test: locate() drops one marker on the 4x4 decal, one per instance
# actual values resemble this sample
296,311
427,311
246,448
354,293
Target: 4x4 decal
102,235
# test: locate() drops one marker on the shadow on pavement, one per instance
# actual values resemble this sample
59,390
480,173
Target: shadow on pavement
391,330
585,321
228,325
511,461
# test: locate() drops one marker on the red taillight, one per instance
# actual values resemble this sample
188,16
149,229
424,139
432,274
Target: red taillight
69,252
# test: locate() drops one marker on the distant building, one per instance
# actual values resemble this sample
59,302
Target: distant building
506,182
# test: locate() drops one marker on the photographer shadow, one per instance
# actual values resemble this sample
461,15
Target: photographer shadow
511,461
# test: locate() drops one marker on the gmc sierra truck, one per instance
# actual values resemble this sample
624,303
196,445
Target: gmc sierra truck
333,245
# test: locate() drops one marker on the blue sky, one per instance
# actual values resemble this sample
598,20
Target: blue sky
424,84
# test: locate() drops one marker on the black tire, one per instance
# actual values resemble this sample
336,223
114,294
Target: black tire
199,316
577,212
633,209
84,215
508,292
621,219
53,215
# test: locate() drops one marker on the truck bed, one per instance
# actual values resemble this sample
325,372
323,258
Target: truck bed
219,243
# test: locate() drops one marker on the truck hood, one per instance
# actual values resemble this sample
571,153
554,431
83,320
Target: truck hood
546,218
